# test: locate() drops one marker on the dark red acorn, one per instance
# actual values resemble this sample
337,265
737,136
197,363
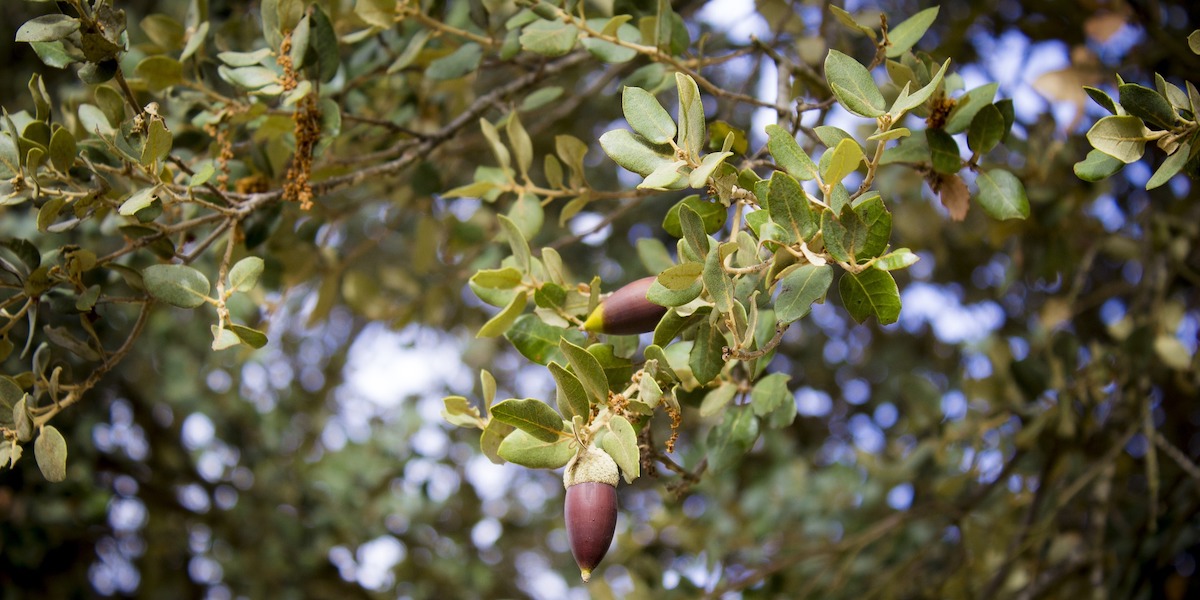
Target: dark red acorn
590,508
626,311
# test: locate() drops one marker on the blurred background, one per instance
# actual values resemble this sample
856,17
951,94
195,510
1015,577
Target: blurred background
1028,429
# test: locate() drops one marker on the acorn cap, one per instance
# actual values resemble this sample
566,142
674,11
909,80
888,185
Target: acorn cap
592,464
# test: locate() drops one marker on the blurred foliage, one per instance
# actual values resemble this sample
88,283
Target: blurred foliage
1047,449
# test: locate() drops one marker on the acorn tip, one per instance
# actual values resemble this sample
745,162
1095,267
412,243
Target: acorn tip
595,321
586,574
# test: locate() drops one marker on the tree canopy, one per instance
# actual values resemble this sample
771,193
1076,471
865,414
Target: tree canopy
317,298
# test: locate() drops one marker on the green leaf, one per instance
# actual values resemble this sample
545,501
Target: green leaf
487,385
516,241
968,105
549,38
622,445
571,396
901,258
537,340
1194,41
249,78
718,398
1148,105
712,214
617,369
706,358
177,285
731,438
523,449
871,292
770,393
846,158
22,422
680,277
717,282
62,150
1097,166
10,394
244,274
634,152
521,144
550,295
919,97
541,98
853,85
987,129
324,43
531,416
244,59
664,296
800,289
47,28
1122,137
498,148
589,371
459,411
693,230
223,338
463,61
666,177
55,54
203,174
1002,195
905,35
158,143
528,215
844,235
878,222
789,207
789,155
249,336
494,434
647,117
944,151
699,176
1170,167
159,72
607,51
691,116
500,323
653,253
1102,98
847,19
50,450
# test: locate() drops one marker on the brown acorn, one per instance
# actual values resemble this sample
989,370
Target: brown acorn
626,311
591,507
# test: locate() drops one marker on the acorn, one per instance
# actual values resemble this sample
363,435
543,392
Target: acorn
591,507
626,311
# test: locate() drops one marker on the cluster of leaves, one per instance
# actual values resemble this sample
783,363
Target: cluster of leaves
753,255
114,165
1165,116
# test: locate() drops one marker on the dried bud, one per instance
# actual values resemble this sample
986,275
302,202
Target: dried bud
626,311
590,508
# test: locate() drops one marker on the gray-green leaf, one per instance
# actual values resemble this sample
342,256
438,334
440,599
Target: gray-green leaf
800,289
853,85
50,450
647,116
178,285
1002,195
531,416
871,292
621,444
